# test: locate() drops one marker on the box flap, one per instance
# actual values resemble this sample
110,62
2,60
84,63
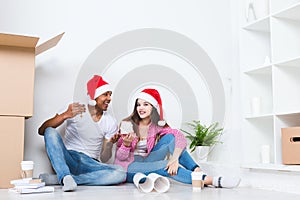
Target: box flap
48,44
18,40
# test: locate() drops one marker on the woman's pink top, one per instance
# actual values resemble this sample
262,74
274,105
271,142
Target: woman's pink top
125,155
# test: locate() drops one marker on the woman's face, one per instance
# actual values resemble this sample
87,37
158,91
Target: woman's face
143,109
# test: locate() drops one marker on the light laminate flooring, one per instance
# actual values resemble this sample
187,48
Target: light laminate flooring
129,192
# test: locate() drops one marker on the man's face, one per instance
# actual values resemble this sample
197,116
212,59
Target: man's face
103,100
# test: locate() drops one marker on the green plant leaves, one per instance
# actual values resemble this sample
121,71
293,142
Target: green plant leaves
203,135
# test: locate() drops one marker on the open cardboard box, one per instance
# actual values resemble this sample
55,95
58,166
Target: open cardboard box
17,67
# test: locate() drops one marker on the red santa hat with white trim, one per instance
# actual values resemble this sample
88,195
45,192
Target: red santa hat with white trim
152,96
95,87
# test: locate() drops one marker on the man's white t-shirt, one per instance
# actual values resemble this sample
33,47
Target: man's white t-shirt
84,135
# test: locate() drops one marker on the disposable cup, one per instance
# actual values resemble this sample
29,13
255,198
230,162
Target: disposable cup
143,183
197,182
27,169
161,183
126,127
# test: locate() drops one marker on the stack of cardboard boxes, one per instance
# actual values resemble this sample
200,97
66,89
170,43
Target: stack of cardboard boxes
17,68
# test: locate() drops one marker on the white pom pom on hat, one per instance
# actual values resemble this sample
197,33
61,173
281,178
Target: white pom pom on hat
152,96
95,87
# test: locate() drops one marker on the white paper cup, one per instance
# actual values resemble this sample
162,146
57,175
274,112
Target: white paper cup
27,169
126,127
143,183
161,183
197,181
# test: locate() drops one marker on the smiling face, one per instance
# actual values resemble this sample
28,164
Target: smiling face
143,109
103,101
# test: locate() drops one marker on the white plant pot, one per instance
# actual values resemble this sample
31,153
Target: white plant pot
202,153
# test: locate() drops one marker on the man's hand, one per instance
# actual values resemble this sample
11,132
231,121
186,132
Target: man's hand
75,109
115,138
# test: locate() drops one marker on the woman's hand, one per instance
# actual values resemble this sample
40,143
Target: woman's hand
173,163
128,138
172,167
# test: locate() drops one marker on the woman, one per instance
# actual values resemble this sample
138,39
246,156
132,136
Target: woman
145,146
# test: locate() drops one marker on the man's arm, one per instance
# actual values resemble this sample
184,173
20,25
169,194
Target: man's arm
54,122
57,120
106,152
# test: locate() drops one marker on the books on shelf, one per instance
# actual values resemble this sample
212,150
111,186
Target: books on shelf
27,186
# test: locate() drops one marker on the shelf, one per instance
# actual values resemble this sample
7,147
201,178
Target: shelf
259,132
285,38
292,13
289,120
273,167
294,115
266,69
260,43
270,90
277,6
262,25
258,84
258,117
294,62
286,89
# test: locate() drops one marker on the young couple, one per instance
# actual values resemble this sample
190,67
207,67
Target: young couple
79,157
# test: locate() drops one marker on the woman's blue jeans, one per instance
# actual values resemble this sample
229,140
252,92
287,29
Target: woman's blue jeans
155,162
84,169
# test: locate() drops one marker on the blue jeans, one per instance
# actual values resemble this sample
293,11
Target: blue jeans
155,162
84,169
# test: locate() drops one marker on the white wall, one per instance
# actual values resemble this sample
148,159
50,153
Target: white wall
87,24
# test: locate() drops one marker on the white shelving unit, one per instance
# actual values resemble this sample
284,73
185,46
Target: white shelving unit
270,70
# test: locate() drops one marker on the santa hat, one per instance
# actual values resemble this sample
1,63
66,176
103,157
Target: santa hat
152,96
95,87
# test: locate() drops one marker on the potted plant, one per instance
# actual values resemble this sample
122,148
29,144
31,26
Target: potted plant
203,137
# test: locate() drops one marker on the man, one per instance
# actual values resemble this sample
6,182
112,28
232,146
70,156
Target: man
89,136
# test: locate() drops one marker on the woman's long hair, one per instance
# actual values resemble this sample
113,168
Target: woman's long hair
135,118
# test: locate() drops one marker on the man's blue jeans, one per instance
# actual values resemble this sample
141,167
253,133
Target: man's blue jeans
84,169
155,162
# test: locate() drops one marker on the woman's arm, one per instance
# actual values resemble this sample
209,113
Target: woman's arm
180,144
173,163
126,144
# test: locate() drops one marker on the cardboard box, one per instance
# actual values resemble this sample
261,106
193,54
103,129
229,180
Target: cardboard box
12,148
17,67
290,139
